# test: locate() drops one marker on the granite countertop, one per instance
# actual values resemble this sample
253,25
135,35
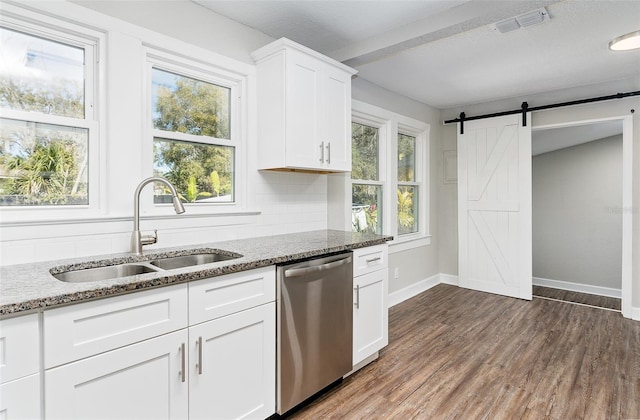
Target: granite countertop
28,287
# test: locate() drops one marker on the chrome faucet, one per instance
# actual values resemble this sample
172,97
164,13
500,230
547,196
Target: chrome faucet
138,240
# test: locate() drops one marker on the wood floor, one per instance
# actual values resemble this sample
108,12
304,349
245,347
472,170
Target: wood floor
577,297
460,354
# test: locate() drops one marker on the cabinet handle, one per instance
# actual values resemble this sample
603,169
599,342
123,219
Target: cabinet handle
322,152
370,260
199,364
357,302
183,362
329,152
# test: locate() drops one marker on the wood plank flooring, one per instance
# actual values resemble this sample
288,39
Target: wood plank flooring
577,297
454,353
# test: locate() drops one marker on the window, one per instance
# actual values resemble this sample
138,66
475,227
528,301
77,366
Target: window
366,186
408,189
47,127
382,139
194,143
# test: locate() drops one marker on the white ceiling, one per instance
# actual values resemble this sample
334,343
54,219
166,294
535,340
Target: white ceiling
446,53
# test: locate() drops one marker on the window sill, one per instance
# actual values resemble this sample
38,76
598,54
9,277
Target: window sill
404,244
106,219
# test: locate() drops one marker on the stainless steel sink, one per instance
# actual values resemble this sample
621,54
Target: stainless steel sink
156,263
104,273
182,261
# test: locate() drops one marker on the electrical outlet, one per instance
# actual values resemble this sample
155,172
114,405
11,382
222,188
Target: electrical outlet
396,273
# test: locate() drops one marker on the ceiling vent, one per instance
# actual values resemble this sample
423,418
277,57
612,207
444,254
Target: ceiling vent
523,20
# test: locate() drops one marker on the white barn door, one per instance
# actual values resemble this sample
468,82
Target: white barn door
494,206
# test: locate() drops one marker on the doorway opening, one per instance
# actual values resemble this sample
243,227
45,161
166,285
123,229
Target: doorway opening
579,191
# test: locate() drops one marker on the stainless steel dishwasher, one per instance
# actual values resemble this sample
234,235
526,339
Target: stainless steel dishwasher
315,326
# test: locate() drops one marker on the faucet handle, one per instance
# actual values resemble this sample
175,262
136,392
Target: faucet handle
149,238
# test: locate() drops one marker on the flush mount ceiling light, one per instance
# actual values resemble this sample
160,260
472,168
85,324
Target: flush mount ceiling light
526,19
629,41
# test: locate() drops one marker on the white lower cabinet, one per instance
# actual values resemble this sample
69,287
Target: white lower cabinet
146,380
20,368
370,308
140,356
233,366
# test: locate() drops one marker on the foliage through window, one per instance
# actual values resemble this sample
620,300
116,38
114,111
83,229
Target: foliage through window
408,188
366,208
191,146
389,174
44,149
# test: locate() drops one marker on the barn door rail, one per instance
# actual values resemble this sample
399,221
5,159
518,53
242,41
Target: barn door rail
524,108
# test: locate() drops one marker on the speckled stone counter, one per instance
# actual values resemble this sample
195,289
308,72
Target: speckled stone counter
29,287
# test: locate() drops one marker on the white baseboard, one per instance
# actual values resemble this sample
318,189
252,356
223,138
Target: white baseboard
449,279
415,289
421,286
578,287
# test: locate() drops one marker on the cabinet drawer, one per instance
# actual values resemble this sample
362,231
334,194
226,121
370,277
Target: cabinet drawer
19,347
370,259
224,295
86,329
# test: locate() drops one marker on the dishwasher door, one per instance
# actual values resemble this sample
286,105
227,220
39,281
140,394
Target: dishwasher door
315,326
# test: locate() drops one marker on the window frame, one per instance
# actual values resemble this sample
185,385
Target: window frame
91,42
391,123
383,140
209,73
420,175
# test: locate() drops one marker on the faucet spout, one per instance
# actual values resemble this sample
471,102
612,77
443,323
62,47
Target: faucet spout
137,239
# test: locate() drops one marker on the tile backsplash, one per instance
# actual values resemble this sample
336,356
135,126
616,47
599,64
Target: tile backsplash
279,202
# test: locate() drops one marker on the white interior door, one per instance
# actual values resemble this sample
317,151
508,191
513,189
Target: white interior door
494,206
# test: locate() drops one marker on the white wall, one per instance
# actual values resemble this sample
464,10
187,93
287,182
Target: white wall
577,222
183,19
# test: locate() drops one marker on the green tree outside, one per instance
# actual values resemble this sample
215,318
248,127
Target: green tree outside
42,164
199,108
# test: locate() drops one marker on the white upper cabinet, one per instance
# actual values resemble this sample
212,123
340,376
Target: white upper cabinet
304,109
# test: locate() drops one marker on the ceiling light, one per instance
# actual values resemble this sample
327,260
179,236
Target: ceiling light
629,41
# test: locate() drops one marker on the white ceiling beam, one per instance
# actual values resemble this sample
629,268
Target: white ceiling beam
465,15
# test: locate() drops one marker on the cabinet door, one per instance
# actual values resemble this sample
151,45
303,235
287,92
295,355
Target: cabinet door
370,314
232,366
20,399
302,118
19,347
140,381
336,119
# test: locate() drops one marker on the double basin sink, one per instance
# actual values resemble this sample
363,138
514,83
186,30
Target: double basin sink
157,263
